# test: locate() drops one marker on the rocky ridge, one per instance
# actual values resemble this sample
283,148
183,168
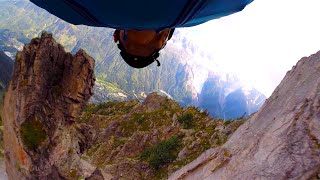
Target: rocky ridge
281,141
48,89
45,138
50,134
124,137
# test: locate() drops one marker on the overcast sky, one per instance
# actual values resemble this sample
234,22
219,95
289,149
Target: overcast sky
264,41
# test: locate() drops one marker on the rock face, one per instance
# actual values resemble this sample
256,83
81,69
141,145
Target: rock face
48,134
281,141
48,89
6,67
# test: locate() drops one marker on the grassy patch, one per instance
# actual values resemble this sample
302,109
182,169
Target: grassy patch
227,122
73,174
18,56
93,109
107,109
186,120
163,153
32,133
90,109
118,142
141,121
210,130
93,150
221,139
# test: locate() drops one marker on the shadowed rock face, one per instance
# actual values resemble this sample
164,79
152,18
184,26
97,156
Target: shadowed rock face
48,89
281,141
6,68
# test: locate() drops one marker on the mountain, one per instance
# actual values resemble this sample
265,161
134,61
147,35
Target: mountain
212,95
50,132
48,89
281,141
236,104
170,77
225,98
242,103
180,75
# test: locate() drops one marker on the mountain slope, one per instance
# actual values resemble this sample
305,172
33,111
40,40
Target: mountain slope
47,137
170,77
179,75
147,140
281,141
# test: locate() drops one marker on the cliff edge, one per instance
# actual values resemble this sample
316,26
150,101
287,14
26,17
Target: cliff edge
281,141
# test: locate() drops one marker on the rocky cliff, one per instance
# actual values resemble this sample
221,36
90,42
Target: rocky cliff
281,141
48,90
50,134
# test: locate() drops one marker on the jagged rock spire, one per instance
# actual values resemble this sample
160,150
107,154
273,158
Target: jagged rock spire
48,89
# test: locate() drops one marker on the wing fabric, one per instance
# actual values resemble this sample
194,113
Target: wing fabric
141,14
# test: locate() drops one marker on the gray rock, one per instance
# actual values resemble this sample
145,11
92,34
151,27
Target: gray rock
183,153
281,141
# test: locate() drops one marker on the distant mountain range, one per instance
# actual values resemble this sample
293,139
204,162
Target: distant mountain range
179,76
228,102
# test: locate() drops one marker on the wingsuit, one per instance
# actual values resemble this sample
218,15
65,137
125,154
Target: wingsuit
142,26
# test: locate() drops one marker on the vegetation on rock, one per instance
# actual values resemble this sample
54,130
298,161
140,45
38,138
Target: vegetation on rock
32,133
157,135
186,120
163,153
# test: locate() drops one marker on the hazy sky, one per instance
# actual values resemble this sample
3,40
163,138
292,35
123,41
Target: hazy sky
264,41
